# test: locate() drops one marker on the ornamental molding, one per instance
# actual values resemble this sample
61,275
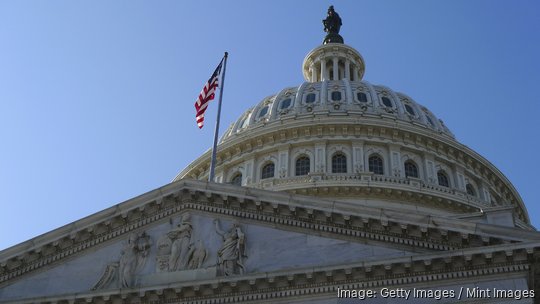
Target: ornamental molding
283,211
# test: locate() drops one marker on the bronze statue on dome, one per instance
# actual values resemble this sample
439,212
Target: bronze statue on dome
332,25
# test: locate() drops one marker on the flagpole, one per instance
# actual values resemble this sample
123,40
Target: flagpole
216,132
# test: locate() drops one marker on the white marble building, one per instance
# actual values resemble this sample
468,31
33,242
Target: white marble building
324,192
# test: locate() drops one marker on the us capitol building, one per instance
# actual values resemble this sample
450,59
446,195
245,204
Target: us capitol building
333,191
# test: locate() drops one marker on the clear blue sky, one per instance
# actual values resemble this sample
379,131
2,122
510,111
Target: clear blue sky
96,97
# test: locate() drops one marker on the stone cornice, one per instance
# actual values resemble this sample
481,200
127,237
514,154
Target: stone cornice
367,127
444,268
309,214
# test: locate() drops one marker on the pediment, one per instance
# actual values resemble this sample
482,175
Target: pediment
130,245
190,247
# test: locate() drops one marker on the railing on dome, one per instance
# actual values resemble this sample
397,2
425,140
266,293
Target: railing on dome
366,180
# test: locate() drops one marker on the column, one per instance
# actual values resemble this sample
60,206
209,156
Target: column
283,163
348,69
460,178
250,175
313,73
323,70
219,177
483,190
358,156
355,74
429,165
320,157
335,73
395,161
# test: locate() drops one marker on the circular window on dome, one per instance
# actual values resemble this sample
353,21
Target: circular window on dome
362,97
285,103
336,96
310,98
387,102
410,109
263,112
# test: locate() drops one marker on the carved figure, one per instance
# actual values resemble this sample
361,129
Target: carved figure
164,244
180,248
282,172
132,260
109,275
198,255
176,252
332,25
231,254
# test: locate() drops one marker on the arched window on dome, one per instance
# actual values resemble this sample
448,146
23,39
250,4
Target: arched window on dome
310,98
263,112
411,169
302,165
470,190
339,163
361,96
268,170
387,102
442,178
375,164
285,103
237,179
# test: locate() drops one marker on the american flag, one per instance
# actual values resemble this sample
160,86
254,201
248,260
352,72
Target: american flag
207,94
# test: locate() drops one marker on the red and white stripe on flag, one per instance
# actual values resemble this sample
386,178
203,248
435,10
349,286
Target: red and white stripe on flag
207,94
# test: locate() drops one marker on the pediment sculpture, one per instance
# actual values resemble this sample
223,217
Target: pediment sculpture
132,260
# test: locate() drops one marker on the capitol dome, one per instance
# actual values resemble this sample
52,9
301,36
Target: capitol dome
339,137
333,191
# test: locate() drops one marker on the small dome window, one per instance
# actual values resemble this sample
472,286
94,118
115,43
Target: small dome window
237,179
387,102
302,166
430,121
244,122
442,178
285,104
376,164
470,190
362,97
336,96
409,109
339,163
411,170
268,171
263,111
310,98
